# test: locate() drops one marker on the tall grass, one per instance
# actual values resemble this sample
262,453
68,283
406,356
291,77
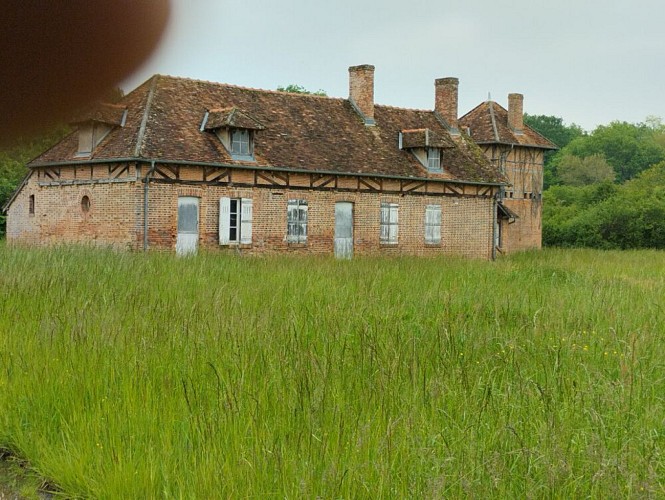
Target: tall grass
133,376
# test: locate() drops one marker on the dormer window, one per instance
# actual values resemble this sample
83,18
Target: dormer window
90,135
241,144
427,146
95,123
434,160
235,129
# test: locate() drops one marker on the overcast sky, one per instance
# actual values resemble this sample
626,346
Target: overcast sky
587,61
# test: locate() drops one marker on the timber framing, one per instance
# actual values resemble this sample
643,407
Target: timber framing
234,175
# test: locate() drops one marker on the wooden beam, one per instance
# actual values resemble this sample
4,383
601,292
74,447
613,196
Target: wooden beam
214,174
271,178
370,183
322,180
412,186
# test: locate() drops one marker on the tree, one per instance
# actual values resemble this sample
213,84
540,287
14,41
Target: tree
299,89
608,215
628,148
576,171
553,128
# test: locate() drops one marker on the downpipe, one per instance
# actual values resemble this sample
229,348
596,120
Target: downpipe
145,204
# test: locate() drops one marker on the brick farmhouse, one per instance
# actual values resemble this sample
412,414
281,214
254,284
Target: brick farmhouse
180,164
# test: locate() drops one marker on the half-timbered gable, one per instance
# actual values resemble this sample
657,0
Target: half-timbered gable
518,152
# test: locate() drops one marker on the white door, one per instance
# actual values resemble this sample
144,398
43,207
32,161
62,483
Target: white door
343,230
188,225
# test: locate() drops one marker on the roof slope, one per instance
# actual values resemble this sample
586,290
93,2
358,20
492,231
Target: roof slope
303,132
488,123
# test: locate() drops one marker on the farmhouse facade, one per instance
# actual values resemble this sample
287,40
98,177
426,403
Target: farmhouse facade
181,164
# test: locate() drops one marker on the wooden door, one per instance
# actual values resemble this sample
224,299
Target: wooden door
188,225
343,230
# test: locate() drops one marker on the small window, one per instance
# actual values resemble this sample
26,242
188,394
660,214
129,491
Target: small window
241,144
434,160
31,207
389,223
85,204
296,221
90,135
433,224
235,220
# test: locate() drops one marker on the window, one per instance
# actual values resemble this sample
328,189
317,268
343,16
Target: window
31,204
389,221
434,160
433,224
296,221
90,135
235,220
85,203
241,144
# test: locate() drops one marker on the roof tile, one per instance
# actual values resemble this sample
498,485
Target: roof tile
488,123
315,133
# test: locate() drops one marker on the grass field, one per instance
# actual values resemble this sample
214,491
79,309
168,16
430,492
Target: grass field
132,376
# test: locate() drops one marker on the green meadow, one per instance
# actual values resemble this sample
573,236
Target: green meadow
126,375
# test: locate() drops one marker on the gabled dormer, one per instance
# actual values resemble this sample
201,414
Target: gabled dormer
235,129
427,146
94,124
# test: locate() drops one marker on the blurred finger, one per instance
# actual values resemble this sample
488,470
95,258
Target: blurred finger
56,56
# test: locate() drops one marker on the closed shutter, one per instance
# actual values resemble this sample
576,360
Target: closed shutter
385,223
433,224
246,221
302,219
224,220
393,222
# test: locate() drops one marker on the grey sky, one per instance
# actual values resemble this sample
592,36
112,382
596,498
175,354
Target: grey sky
589,62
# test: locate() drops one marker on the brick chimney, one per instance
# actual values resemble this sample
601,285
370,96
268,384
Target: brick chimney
445,103
516,112
361,91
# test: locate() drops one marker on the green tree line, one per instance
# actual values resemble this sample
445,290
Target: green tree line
604,189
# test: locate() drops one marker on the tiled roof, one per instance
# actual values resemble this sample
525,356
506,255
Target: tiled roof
424,137
230,118
111,114
488,123
302,132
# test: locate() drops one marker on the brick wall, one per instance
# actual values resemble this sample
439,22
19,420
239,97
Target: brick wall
115,218
524,168
466,221
59,215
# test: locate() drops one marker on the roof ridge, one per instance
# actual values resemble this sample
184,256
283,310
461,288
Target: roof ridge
146,114
255,89
493,118
541,135
471,111
401,108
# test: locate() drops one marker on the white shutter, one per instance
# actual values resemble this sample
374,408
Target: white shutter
303,222
393,222
429,237
437,224
385,221
246,221
224,220
433,224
